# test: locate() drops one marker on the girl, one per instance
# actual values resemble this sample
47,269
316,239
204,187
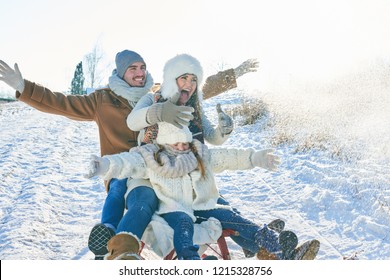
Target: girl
181,171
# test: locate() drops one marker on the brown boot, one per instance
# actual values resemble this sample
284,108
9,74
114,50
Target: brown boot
263,254
307,251
123,246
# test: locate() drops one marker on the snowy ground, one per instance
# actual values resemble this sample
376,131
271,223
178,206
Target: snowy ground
47,207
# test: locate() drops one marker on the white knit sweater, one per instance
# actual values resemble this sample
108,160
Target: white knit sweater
186,193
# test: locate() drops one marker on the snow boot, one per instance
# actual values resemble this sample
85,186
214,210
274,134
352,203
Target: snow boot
270,244
123,246
276,225
98,238
263,254
288,242
307,251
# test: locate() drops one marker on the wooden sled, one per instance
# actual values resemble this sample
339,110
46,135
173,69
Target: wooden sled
222,252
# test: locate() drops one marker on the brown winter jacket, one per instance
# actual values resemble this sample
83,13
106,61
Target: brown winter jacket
107,109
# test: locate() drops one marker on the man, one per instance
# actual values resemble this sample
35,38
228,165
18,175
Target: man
109,108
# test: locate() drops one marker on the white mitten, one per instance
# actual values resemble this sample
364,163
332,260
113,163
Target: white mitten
98,166
247,66
11,77
225,122
265,159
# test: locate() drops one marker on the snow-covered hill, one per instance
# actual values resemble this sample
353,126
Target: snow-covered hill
47,207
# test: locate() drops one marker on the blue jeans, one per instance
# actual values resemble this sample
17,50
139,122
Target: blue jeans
141,204
232,220
242,242
184,230
183,233
114,205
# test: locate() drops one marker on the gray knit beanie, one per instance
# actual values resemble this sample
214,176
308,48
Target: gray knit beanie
124,59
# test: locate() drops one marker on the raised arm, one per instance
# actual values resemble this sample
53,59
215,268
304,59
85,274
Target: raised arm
120,166
43,99
227,80
217,136
241,159
136,120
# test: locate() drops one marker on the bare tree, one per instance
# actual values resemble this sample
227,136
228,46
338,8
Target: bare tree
92,62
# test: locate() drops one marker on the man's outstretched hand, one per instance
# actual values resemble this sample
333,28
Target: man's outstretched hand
11,77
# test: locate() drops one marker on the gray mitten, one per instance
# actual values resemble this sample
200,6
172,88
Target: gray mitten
98,166
225,122
11,77
247,66
265,159
168,112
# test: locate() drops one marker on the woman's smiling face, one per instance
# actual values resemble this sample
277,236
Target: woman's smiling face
187,84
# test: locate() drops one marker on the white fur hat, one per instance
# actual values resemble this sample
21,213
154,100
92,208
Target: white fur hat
170,134
174,68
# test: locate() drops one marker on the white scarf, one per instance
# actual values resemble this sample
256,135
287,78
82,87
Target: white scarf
174,163
123,89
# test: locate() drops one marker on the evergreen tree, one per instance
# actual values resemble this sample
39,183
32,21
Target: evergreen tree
78,80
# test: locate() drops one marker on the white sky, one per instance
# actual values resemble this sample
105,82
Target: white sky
291,38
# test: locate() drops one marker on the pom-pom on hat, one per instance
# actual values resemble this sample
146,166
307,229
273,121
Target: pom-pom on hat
124,59
170,134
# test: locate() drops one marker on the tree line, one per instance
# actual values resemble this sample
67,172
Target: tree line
92,61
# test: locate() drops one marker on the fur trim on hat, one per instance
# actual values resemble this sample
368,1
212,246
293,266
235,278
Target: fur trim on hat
170,134
174,68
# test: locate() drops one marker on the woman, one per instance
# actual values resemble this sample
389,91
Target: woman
182,78
181,171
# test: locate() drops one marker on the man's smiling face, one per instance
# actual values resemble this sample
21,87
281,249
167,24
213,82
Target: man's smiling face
135,75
